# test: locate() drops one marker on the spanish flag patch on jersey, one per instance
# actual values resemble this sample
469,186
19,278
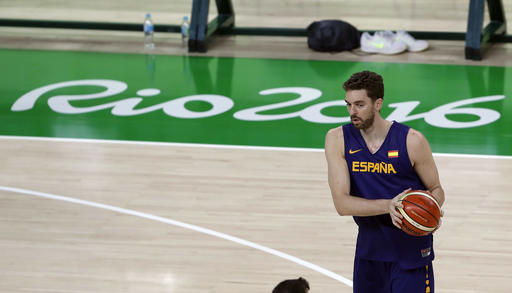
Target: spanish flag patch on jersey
393,154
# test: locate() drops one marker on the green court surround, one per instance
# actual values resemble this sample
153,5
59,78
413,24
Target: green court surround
241,80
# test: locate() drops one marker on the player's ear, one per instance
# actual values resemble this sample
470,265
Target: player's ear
378,104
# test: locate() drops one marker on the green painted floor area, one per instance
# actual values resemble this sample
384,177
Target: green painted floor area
260,102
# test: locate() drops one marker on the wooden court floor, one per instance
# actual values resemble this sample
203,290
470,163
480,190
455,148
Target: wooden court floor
89,216
278,199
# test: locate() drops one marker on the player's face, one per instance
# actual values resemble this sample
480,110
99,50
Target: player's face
361,108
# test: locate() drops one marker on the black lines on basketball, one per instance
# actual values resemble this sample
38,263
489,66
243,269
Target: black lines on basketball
424,209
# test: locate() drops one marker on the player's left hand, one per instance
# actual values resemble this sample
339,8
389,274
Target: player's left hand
440,221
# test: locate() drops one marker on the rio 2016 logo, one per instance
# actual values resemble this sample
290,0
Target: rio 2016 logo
221,104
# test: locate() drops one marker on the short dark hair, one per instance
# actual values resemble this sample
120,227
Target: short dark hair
299,285
366,80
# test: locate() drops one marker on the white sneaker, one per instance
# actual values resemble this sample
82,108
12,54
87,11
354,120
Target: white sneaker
413,45
382,43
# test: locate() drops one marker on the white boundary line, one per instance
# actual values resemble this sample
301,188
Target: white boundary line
473,156
218,146
153,143
186,226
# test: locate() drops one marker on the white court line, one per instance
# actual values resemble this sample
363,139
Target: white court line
218,146
186,226
156,143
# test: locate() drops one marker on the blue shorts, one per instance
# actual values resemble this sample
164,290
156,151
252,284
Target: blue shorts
387,277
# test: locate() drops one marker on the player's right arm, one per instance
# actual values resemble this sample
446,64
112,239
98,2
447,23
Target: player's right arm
339,181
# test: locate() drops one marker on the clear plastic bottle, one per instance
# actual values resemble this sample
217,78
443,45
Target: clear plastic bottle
149,31
185,25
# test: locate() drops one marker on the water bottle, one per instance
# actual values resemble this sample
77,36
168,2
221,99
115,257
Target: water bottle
184,29
149,30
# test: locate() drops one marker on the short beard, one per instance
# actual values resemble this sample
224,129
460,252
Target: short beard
365,124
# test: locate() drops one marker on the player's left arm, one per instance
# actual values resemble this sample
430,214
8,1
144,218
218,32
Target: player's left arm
423,163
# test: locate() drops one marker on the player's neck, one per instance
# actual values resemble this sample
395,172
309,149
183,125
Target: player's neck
375,134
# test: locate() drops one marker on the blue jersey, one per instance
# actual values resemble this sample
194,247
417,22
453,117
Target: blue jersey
383,175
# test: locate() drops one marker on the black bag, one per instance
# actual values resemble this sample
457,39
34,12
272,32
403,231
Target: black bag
332,36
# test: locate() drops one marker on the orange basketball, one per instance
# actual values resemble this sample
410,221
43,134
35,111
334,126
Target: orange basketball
421,213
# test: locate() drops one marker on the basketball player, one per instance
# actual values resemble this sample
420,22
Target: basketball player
372,162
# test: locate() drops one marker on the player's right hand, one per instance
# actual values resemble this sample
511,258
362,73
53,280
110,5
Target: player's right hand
396,217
